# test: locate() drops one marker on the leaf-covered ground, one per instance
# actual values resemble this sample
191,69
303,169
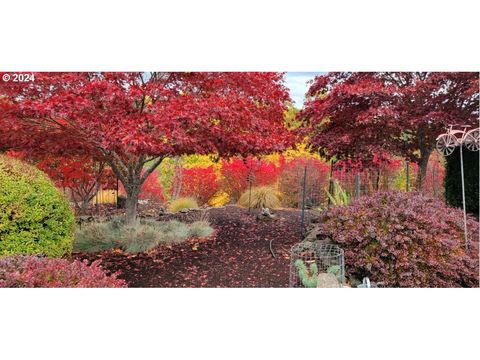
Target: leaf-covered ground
238,256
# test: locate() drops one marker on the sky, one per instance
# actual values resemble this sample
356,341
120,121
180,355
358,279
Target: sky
297,83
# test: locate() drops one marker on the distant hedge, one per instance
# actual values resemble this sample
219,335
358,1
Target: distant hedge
35,218
453,182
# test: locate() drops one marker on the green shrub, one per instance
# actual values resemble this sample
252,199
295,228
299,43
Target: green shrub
35,218
453,182
260,197
182,204
145,235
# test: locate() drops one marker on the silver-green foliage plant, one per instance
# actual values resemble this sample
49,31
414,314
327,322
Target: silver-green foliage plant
200,229
97,237
308,277
143,236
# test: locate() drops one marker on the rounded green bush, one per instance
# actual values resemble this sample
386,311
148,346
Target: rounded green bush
35,218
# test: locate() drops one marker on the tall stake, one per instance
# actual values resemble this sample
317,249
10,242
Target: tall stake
303,200
433,181
96,189
407,181
358,184
250,191
330,183
116,197
463,199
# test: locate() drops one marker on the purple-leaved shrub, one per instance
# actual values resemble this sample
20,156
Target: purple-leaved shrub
33,271
405,240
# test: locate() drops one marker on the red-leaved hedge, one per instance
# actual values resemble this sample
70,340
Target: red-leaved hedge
152,189
200,183
33,272
405,240
236,171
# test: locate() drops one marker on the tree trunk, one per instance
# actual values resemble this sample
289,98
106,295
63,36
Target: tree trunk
84,205
132,175
422,168
177,178
131,204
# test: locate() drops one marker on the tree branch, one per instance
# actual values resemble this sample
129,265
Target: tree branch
118,164
139,166
117,172
152,167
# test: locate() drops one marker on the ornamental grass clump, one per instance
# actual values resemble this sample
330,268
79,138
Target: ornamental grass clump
200,229
184,203
404,240
36,272
143,236
260,197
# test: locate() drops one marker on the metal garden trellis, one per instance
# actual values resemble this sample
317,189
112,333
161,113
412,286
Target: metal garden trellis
328,259
446,144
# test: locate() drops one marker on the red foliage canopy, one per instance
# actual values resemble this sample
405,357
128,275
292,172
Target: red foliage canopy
132,119
153,114
356,115
77,172
81,174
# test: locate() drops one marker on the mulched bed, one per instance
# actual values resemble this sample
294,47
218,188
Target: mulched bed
239,256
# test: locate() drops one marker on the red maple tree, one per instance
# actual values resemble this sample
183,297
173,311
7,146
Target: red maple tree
135,120
353,116
81,175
